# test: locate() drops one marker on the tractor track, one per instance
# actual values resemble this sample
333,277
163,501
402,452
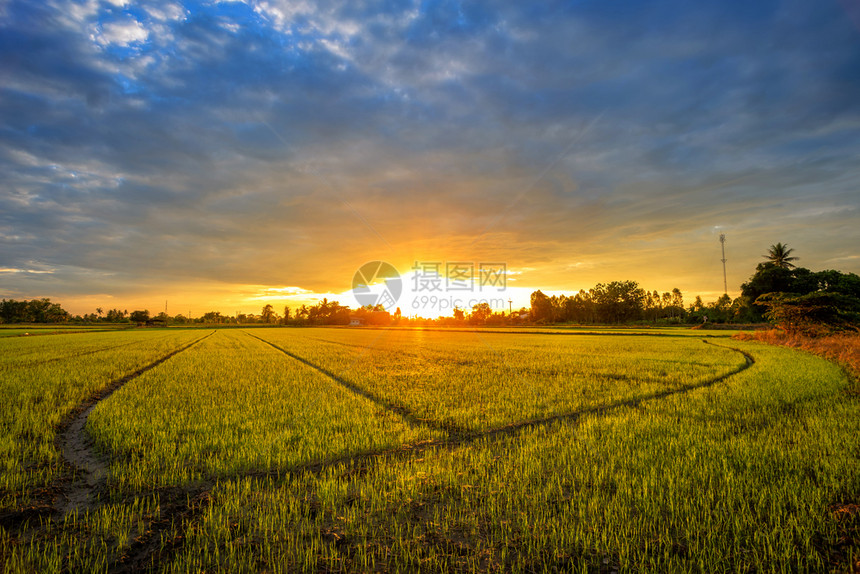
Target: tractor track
468,436
65,494
402,411
77,448
183,507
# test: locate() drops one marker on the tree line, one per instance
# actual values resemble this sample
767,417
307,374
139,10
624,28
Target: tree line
34,311
613,303
792,297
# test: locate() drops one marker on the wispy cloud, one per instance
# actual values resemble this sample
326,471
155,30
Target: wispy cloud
149,146
33,271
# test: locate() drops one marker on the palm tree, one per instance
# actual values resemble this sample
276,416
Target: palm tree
779,255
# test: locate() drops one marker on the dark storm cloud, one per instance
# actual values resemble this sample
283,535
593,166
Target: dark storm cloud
204,141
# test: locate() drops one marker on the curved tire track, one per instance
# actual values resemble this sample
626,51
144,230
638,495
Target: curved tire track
471,436
180,508
402,411
77,448
147,551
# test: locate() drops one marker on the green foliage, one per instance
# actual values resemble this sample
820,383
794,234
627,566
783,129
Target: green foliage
608,303
770,278
667,454
34,311
723,310
139,317
811,314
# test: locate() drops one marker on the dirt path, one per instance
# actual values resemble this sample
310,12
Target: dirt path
78,450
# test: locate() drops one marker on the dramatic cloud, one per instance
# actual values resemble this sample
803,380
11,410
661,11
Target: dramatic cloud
218,153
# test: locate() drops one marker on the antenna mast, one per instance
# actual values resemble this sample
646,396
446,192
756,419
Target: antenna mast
723,247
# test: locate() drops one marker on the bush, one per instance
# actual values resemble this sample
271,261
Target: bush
817,313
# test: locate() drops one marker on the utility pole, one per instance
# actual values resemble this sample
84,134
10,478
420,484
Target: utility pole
723,247
510,308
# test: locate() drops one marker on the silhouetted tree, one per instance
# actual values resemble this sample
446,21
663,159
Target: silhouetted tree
779,255
268,314
368,315
116,316
779,276
34,311
480,313
541,307
212,317
302,313
768,278
618,301
139,317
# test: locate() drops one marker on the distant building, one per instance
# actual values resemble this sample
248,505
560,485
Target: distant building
355,321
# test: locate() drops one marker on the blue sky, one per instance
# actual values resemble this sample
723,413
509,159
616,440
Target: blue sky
218,153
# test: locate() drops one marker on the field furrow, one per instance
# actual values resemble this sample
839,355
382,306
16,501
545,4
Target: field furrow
39,397
470,382
234,404
77,446
719,476
287,450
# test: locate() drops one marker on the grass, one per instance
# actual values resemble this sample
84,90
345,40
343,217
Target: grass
844,348
741,477
42,380
16,330
405,450
476,381
233,404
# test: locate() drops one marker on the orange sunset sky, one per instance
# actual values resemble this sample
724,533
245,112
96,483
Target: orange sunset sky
224,155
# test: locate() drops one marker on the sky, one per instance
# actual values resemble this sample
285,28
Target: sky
226,155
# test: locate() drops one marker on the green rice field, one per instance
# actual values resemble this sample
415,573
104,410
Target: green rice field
399,450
